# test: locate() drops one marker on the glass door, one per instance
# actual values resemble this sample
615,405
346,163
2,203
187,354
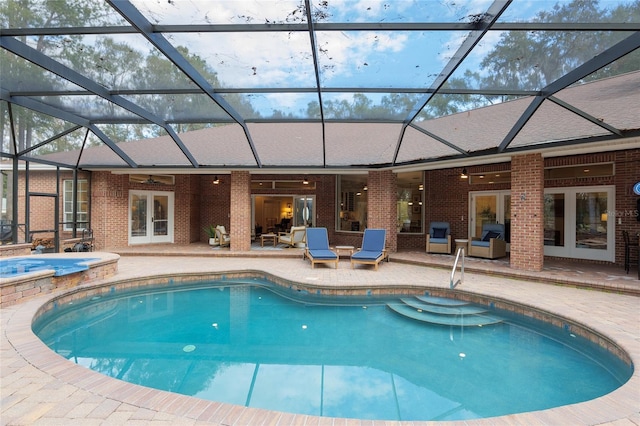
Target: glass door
577,225
304,211
490,207
150,217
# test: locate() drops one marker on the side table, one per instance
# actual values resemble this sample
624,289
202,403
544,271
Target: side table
462,243
272,237
348,249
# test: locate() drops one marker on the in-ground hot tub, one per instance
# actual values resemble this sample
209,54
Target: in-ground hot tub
22,277
17,266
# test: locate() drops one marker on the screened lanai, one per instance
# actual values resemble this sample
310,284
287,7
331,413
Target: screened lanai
312,84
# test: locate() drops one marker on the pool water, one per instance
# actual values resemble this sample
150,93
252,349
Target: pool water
24,265
267,347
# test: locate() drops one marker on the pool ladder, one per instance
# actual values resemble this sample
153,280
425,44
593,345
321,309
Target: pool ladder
459,255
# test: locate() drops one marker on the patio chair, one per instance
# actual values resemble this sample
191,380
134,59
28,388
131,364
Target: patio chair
296,237
491,244
222,237
439,238
373,248
318,247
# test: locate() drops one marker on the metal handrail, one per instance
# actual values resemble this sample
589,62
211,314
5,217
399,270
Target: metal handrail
452,285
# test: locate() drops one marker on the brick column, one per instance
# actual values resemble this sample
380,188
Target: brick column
381,205
527,212
240,211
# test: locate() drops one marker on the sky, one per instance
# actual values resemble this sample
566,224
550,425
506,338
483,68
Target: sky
375,59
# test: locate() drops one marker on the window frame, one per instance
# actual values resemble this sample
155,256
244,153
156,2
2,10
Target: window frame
81,202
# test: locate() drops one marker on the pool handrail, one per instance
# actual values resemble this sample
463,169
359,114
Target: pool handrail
452,285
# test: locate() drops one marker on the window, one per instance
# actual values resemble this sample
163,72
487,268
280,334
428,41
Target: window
82,204
304,184
352,202
580,171
409,202
490,178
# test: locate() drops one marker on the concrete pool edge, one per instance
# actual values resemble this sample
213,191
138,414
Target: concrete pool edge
620,403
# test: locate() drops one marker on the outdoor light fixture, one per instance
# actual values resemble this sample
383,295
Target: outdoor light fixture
216,180
464,174
305,181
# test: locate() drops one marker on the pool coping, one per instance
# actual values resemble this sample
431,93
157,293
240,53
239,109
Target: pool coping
619,404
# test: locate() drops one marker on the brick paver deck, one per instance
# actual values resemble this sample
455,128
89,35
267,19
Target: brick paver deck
38,387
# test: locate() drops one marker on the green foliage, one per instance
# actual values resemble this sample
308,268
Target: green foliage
530,60
110,61
210,230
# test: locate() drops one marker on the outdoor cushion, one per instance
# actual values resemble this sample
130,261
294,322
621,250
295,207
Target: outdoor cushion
322,254
489,235
439,233
373,248
318,250
366,254
438,240
478,243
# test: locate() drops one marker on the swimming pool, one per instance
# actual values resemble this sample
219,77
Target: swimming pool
18,266
244,344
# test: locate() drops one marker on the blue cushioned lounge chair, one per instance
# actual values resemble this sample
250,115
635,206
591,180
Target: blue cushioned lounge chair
318,247
373,250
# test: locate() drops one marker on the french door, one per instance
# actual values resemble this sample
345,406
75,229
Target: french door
578,223
150,217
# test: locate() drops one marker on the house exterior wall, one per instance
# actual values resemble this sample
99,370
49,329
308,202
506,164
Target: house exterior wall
41,208
198,202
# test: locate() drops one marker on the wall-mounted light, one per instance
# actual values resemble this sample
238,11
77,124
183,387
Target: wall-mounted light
216,180
365,188
604,217
464,174
305,181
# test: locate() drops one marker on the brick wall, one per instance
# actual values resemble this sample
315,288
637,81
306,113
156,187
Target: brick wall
626,173
627,212
240,231
42,208
109,210
527,212
198,202
381,206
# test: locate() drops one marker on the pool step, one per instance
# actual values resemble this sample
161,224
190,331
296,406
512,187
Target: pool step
463,308
436,310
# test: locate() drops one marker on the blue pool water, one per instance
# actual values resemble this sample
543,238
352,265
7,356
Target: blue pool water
24,265
268,347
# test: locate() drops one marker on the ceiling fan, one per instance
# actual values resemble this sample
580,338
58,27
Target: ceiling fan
151,179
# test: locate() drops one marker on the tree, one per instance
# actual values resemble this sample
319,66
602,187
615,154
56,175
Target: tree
530,60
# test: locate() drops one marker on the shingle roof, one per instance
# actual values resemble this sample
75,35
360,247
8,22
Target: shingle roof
614,100
299,84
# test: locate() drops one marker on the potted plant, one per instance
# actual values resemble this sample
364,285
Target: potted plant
211,232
